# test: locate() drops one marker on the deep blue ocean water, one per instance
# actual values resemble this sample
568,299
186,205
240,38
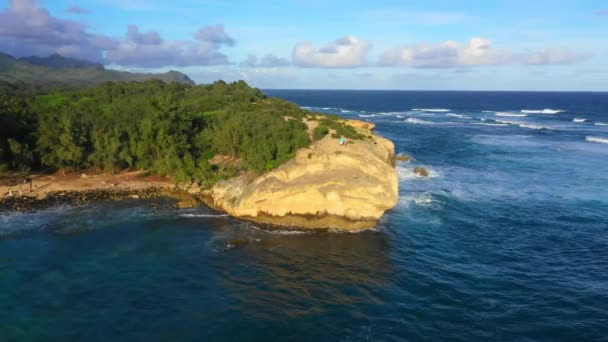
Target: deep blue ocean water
506,240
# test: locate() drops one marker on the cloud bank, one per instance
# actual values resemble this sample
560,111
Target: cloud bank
266,61
554,56
346,52
26,28
449,54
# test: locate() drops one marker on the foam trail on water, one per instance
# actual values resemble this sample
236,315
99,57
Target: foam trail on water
433,110
203,215
579,120
418,121
521,124
458,116
597,139
491,124
510,114
405,172
542,111
600,124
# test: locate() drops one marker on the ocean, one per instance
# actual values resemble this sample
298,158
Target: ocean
507,239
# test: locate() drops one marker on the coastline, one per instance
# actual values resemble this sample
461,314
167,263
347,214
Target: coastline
40,191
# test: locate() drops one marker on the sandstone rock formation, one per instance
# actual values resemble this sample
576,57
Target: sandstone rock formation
421,171
326,185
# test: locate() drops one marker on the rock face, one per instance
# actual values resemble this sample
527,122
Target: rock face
325,186
421,171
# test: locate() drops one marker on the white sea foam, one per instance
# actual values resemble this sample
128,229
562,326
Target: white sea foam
521,124
458,116
524,125
368,116
203,215
517,115
491,124
405,172
418,121
579,120
432,110
600,124
345,111
488,111
597,139
542,111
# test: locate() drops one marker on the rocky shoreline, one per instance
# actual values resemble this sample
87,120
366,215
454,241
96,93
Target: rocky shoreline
27,203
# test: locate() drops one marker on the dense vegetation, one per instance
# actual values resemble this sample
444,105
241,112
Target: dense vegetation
168,129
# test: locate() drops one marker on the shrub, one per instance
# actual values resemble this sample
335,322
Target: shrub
320,132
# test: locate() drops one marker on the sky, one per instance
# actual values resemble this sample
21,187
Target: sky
325,44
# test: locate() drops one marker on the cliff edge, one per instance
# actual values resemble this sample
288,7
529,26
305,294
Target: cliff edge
326,185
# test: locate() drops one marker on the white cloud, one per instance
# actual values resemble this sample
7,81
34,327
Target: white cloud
449,54
554,56
346,52
267,61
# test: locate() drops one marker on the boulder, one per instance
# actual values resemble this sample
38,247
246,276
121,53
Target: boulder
421,171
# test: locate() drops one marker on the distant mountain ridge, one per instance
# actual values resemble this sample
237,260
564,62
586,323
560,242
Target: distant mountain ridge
58,61
65,72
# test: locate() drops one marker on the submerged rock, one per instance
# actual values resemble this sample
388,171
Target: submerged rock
325,186
403,158
421,171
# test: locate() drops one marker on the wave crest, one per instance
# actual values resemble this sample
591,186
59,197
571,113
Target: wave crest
432,110
542,111
597,139
418,121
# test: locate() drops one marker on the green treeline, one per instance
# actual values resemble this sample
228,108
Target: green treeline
166,129
169,129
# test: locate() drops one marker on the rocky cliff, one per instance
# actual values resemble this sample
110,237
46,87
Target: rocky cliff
326,185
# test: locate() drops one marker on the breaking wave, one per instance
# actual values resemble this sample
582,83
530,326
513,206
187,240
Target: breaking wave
600,124
597,139
579,120
432,110
458,116
510,114
542,111
203,215
418,121
491,124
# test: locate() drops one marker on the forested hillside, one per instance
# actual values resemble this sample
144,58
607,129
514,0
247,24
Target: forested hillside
168,129
56,71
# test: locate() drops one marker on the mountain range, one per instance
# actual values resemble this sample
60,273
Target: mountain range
60,71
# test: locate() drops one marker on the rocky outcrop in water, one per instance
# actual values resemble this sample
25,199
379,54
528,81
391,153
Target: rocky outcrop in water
326,185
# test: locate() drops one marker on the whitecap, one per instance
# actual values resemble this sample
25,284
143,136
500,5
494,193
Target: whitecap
418,121
510,114
521,124
434,110
203,215
367,116
600,124
458,116
532,126
542,111
488,111
597,139
579,120
405,172
491,124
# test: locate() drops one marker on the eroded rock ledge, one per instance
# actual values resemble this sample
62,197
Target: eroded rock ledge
325,186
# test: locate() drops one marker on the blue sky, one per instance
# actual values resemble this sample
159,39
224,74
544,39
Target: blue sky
431,44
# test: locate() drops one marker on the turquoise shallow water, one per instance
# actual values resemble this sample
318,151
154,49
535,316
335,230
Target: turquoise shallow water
508,239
